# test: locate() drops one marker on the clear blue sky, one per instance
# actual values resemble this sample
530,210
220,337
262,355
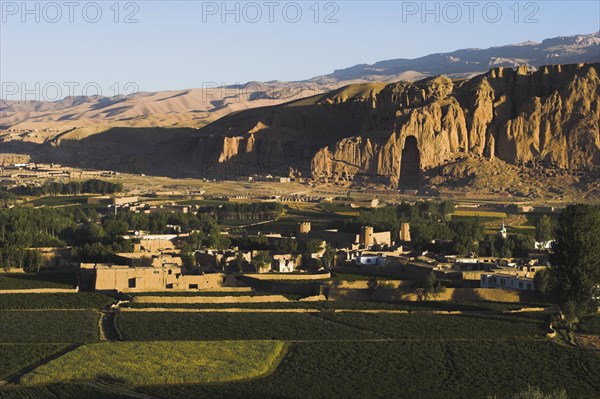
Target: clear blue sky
174,45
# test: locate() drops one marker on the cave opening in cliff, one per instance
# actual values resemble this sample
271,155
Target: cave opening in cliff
410,170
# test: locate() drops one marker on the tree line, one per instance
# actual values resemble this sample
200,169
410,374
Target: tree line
93,237
245,211
92,186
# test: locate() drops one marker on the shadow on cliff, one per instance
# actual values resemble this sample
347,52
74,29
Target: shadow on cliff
153,151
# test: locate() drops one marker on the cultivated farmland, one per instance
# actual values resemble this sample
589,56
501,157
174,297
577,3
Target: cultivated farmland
48,326
145,363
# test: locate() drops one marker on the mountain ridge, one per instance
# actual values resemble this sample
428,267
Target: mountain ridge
196,107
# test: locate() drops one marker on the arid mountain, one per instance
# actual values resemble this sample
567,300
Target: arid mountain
393,133
198,107
467,62
181,108
525,132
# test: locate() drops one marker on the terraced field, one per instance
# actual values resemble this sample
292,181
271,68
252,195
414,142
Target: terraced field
145,363
21,281
482,353
86,300
48,326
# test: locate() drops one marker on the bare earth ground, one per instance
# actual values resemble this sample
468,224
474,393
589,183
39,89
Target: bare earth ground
588,341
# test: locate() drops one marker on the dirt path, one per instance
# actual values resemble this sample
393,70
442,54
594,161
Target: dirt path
107,326
259,223
308,310
41,291
588,341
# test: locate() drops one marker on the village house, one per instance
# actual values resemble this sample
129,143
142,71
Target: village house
168,277
212,259
370,260
152,242
511,278
284,263
367,237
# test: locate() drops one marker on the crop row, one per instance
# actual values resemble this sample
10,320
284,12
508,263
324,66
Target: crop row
48,326
81,300
416,370
22,281
322,326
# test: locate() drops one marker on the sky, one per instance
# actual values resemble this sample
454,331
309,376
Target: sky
152,45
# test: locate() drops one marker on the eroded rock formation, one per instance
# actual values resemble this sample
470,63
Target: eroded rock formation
550,115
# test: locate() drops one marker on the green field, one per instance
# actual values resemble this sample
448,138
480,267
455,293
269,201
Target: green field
63,391
590,325
147,363
417,369
155,326
427,326
329,355
81,300
21,281
477,213
148,326
15,357
48,326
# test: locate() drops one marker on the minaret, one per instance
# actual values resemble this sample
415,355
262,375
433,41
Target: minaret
502,231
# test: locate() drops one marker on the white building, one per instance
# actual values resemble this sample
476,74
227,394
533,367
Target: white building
283,263
512,278
370,260
506,281
543,244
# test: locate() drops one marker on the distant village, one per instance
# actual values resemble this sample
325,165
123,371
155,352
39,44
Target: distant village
156,263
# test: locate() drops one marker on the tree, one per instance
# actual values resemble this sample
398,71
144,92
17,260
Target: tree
313,246
575,259
194,242
372,285
33,261
446,208
544,229
239,261
541,281
432,287
261,261
115,228
467,235
188,259
522,244
216,240
329,256
7,199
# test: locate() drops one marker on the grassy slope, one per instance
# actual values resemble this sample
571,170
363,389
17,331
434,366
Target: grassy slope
161,362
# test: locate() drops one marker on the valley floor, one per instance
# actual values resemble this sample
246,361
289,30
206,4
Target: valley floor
55,351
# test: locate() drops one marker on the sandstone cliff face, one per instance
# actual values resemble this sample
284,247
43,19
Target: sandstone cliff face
551,115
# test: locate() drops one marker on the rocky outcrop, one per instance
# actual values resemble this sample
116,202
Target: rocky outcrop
550,116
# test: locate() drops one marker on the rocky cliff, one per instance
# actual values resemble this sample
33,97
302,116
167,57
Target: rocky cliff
550,116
